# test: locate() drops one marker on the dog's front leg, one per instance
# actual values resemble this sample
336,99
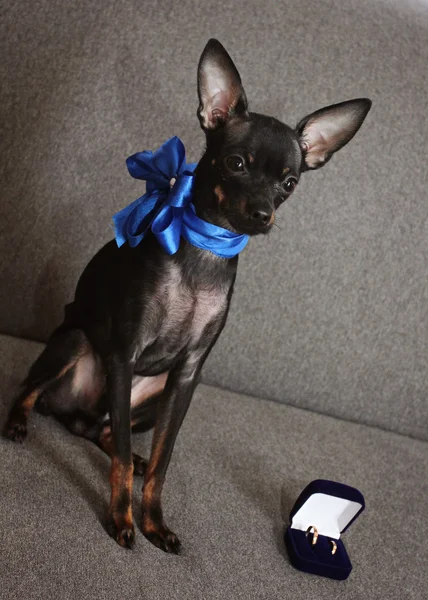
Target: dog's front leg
119,383
171,411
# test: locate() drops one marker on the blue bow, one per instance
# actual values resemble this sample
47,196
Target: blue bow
166,208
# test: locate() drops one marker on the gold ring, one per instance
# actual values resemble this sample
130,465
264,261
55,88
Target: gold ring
315,537
333,546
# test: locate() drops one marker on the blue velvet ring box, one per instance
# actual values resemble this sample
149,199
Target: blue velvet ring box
331,507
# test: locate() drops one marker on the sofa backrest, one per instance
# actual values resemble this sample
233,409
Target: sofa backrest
331,309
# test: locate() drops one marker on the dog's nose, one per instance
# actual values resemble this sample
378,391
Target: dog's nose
261,217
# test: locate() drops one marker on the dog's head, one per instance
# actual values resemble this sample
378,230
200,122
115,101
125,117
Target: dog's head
254,162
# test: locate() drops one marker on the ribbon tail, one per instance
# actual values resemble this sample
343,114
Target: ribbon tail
167,226
133,222
120,219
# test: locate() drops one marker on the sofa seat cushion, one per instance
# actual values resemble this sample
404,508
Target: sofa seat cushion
238,466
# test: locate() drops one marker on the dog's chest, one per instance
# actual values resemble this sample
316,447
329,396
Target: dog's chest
180,315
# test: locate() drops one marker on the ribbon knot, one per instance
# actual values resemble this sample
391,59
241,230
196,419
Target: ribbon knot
166,208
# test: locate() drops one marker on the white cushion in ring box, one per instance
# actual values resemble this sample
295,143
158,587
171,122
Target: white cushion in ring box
329,514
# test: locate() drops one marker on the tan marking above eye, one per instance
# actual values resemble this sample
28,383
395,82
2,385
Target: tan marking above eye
286,170
250,158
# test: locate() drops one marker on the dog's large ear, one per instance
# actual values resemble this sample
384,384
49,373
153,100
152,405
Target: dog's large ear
324,132
220,91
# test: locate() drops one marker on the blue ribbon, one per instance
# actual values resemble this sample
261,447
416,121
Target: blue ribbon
166,208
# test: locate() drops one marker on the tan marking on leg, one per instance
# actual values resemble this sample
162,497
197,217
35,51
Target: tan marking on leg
151,502
134,422
105,442
28,402
67,368
156,453
121,476
153,483
149,525
149,489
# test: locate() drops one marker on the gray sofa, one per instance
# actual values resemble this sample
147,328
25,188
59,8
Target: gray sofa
322,371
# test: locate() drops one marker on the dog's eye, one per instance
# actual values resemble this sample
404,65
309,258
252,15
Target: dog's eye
290,184
235,163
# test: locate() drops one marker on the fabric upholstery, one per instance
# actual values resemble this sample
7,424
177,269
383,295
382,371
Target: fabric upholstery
238,467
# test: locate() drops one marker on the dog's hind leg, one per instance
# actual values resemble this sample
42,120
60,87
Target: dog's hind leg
59,356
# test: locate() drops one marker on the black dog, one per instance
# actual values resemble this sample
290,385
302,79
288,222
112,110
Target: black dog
133,342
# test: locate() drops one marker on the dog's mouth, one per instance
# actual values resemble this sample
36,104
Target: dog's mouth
247,227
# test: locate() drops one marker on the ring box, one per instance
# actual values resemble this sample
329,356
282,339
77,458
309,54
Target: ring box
331,507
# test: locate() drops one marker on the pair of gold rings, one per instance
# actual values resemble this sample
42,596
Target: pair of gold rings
315,538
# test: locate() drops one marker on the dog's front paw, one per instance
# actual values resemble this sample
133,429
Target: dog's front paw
16,429
161,537
122,532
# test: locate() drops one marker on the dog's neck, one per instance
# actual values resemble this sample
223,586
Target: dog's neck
202,266
204,199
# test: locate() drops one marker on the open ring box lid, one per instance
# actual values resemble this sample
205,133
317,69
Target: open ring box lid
331,507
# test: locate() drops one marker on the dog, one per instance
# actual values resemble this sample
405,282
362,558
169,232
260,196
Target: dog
130,350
